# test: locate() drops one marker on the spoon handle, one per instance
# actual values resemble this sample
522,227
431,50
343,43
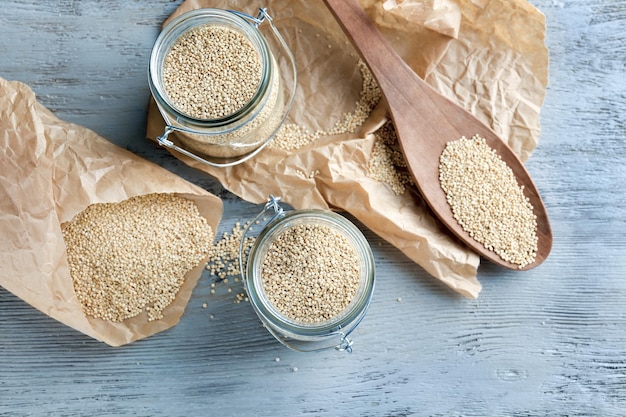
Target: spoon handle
361,31
387,67
411,101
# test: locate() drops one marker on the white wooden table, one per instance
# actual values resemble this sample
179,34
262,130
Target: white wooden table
550,341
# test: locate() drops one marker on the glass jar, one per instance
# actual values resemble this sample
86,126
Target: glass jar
233,138
298,335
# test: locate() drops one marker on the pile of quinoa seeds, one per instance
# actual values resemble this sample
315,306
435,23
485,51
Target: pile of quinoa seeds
310,273
487,201
129,257
211,71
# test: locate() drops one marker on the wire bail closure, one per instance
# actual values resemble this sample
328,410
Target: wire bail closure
271,205
263,14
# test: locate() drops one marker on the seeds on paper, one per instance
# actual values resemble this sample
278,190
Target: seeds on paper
292,136
387,164
211,71
310,273
129,257
486,200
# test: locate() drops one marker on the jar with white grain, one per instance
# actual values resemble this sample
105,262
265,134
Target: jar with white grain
310,277
222,86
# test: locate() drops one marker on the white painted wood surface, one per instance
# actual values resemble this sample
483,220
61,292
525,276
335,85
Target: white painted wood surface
550,341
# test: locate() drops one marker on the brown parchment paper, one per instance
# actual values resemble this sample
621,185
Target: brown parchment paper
50,170
488,56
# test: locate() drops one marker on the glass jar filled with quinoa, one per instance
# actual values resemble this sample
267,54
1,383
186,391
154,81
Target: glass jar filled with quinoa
222,85
309,276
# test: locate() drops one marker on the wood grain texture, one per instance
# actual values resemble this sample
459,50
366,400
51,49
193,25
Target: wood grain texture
548,342
425,122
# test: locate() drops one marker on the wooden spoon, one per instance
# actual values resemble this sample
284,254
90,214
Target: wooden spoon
425,121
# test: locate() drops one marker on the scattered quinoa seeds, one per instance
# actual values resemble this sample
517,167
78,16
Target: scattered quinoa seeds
211,71
387,164
291,136
310,273
129,257
487,201
223,262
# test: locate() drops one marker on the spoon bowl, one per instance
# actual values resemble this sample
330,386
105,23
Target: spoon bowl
425,121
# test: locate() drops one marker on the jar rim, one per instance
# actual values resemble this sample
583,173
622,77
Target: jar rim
198,18
345,320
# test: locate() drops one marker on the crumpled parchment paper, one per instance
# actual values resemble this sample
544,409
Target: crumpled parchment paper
50,170
488,56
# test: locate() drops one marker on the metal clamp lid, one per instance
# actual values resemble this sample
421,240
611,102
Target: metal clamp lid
256,20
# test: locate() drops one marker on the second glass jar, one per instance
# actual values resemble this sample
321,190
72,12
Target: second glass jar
296,334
